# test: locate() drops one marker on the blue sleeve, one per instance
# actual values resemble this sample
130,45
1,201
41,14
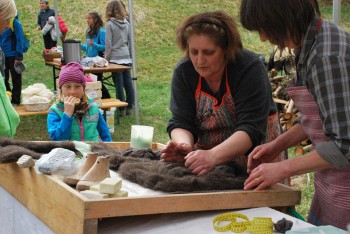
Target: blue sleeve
101,40
83,46
103,129
59,129
17,26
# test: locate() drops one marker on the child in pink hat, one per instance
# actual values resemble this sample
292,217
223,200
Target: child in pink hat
75,116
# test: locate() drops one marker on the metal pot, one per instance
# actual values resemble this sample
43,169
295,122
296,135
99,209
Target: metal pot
71,51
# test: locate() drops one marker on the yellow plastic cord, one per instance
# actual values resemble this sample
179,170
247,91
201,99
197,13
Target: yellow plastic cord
257,226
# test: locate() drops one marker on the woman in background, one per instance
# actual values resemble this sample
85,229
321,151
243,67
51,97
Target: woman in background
95,42
118,51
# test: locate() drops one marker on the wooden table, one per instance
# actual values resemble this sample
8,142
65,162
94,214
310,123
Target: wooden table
64,210
57,65
105,105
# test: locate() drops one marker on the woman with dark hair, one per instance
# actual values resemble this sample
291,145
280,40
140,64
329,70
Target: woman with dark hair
95,42
320,91
221,99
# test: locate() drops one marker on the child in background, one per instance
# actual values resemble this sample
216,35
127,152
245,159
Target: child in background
118,51
95,42
75,116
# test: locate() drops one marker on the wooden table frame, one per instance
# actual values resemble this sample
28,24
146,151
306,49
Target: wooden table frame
57,65
105,105
65,210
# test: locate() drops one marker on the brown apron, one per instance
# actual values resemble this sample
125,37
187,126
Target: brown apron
216,123
331,201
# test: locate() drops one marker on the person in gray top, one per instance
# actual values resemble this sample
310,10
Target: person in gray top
118,51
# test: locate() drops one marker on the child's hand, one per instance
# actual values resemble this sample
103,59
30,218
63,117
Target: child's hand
91,43
69,104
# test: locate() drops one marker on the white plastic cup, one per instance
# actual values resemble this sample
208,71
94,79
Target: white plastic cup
141,136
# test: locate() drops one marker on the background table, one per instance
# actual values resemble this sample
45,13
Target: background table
57,65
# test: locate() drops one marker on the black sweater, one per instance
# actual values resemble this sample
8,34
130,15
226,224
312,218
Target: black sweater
250,90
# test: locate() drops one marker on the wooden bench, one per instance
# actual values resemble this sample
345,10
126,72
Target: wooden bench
105,105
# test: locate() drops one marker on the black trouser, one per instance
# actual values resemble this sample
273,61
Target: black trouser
16,80
105,92
48,42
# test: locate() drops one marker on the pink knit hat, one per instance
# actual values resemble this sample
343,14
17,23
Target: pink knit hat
72,72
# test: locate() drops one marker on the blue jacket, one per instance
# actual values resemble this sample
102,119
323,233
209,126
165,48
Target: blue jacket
99,44
92,127
12,42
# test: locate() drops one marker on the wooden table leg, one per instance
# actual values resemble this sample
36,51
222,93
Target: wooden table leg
90,226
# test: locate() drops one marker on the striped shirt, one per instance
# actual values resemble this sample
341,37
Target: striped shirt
324,67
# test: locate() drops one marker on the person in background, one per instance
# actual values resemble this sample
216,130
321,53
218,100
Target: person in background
320,91
12,46
50,28
75,116
221,98
118,51
95,43
8,115
43,16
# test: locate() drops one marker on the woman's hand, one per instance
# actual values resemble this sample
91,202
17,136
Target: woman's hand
69,105
262,154
175,152
91,43
200,162
265,175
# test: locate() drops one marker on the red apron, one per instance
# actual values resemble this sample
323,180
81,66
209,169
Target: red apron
216,123
331,201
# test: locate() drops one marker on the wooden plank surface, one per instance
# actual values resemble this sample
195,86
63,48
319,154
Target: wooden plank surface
105,104
59,206
277,196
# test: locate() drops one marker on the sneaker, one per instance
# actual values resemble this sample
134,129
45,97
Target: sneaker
128,111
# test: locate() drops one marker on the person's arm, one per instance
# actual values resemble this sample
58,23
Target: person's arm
100,46
84,46
59,129
333,103
180,145
19,39
129,40
103,129
182,136
39,21
182,99
108,44
268,174
251,93
236,145
266,153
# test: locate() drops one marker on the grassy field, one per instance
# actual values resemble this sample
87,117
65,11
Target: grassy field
156,55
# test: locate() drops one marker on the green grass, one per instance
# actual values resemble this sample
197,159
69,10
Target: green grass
156,55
